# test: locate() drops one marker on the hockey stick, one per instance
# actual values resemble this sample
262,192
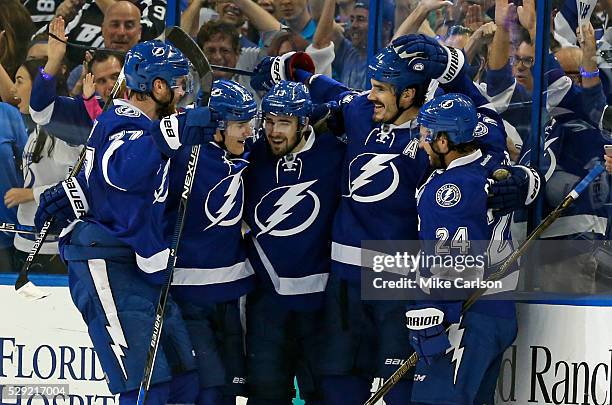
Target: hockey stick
23,285
500,273
182,41
17,228
213,67
235,71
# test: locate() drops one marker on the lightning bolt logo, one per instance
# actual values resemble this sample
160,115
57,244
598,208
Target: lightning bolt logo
162,191
455,335
448,195
406,55
235,186
99,276
290,198
116,334
376,164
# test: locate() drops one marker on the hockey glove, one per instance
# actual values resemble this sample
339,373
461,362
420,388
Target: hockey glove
191,127
425,54
521,187
427,325
63,202
272,70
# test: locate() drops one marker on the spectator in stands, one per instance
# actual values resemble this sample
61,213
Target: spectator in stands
38,47
71,118
221,45
475,45
260,21
296,15
121,27
67,9
121,30
17,27
350,62
46,161
13,138
287,41
229,12
268,5
114,24
570,59
321,51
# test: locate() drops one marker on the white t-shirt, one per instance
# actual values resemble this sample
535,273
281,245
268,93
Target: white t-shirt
49,171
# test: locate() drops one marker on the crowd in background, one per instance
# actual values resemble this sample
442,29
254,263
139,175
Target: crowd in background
497,37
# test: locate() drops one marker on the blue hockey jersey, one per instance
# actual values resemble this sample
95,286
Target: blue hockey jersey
211,258
383,167
127,185
290,204
454,224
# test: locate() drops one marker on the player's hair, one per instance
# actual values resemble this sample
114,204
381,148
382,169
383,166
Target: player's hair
212,28
420,93
462,148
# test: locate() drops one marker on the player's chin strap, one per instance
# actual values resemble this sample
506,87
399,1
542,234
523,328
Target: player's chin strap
400,110
441,156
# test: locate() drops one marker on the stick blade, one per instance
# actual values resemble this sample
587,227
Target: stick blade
29,291
179,38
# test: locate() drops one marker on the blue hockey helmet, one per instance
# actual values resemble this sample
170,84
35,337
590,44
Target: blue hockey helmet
389,67
288,98
232,101
152,60
451,113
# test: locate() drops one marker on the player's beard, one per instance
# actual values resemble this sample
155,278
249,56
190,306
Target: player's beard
165,109
283,148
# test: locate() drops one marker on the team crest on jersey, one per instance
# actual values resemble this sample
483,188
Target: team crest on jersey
127,111
448,195
287,210
372,177
488,120
158,51
480,130
383,134
223,205
446,104
348,98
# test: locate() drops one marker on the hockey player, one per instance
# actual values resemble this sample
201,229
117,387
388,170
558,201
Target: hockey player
292,191
117,253
211,274
460,366
384,167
